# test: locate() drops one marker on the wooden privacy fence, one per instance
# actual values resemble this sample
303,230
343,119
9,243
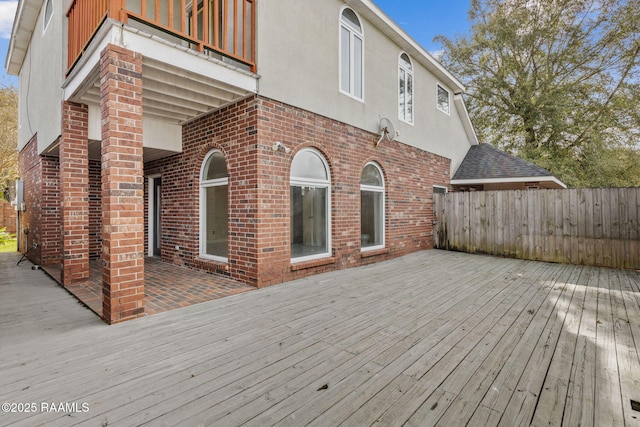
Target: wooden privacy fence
576,226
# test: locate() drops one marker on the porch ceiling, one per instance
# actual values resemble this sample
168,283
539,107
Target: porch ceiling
170,93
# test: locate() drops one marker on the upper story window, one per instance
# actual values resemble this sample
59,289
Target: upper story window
310,206
351,55
371,208
214,208
405,89
443,99
48,14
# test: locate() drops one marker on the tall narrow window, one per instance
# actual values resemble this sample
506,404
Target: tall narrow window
351,55
405,89
48,14
310,206
214,208
443,99
371,208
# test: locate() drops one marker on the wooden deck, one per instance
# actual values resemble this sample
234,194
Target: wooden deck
433,338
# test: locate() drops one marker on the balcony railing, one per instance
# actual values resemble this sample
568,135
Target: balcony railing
226,27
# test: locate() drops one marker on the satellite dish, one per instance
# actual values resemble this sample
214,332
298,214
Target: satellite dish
387,131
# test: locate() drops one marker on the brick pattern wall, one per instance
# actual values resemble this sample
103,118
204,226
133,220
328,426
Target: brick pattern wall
409,173
95,209
8,216
233,131
74,184
122,184
51,217
259,189
42,217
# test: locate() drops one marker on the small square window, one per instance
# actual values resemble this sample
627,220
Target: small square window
443,99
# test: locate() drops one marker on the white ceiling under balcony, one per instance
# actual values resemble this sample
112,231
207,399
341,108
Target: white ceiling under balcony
178,84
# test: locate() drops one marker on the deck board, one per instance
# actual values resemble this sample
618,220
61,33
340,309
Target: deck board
432,338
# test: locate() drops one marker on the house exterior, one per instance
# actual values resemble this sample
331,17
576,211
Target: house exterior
486,168
239,137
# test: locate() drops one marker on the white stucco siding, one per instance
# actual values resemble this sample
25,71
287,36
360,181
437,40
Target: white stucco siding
40,82
299,65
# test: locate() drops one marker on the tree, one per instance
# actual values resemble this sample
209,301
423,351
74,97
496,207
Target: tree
8,137
556,82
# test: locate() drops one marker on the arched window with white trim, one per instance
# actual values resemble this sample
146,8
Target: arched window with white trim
214,207
372,195
351,55
310,206
405,89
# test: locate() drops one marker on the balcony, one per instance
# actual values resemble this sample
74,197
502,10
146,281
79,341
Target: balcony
221,28
194,61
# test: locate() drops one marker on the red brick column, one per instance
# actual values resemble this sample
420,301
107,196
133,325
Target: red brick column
74,187
122,185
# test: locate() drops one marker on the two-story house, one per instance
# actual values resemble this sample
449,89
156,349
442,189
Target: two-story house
250,138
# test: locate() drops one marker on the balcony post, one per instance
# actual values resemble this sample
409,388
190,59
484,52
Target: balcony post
116,10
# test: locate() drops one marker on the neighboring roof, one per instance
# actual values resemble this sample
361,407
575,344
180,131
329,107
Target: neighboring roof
484,163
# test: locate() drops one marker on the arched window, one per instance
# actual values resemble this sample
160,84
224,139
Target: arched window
405,89
372,208
310,206
214,208
351,55
48,13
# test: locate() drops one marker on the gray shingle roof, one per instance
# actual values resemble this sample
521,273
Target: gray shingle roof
484,161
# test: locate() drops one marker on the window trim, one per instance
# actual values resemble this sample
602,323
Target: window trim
446,189
204,184
45,21
438,87
353,33
383,190
411,73
319,183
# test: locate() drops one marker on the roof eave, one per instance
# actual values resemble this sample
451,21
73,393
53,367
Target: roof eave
376,16
23,26
508,180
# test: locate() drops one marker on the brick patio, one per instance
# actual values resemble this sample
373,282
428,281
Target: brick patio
167,286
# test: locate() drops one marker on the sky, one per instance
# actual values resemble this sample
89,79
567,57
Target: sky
421,19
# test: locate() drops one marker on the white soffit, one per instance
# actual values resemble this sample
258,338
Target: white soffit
23,27
178,83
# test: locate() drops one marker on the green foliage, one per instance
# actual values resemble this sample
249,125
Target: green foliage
4,236
8,243
556,82
8,137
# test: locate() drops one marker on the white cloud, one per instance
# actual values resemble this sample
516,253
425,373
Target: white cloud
7,13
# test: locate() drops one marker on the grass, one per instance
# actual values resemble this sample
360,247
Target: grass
9,246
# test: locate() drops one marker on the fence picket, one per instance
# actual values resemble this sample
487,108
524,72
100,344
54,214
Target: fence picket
583,226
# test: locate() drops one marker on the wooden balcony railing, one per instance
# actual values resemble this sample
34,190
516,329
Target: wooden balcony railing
223,26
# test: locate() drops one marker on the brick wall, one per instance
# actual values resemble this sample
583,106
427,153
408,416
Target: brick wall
42,198
8,216
95,209
122,184
231,130
74,184
409,175
259,249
